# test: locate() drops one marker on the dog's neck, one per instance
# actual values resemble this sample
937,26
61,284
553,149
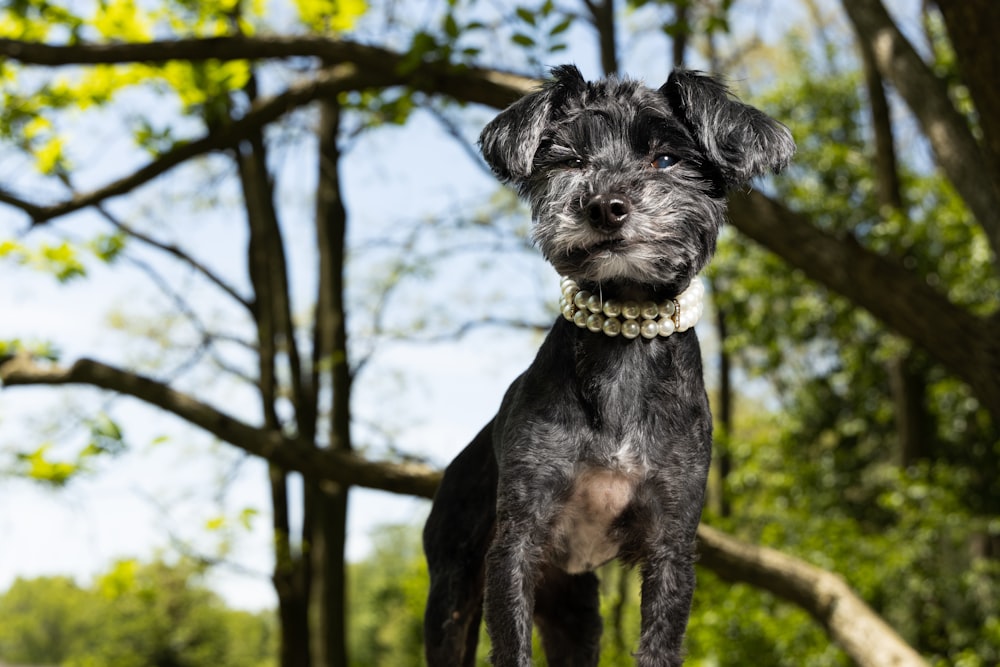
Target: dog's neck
631,317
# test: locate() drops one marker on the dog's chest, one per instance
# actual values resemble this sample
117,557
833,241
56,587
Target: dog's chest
582,537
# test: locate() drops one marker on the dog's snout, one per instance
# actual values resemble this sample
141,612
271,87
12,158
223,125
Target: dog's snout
607,213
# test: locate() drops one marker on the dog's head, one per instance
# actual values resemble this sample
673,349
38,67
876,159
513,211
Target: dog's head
627,184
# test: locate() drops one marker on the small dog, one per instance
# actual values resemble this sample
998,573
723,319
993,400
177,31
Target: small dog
601,447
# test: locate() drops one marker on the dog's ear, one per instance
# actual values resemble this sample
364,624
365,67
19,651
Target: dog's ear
742,141
510,140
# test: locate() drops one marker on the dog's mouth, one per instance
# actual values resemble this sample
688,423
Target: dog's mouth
608,245
598,251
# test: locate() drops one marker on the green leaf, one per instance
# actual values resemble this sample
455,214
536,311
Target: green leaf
247,516
526,15
107,247
107,437
523,40
38,467
451,27
561,27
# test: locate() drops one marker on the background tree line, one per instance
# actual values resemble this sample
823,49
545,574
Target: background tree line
856,297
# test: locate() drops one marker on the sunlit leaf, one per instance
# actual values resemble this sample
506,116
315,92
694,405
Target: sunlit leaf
331,15
38,467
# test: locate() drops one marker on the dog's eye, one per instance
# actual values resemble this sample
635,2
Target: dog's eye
572,163
664,161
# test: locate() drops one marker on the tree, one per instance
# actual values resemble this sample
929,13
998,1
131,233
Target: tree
134,614
213,60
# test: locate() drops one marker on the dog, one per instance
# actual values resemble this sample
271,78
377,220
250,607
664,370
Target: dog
601,448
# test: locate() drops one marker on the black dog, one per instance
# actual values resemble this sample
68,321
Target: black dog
601,448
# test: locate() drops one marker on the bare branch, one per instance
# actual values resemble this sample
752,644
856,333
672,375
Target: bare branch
314,463
177,252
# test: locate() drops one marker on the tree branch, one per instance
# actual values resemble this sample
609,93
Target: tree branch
314,463
379,67
862,633
957,151
967,345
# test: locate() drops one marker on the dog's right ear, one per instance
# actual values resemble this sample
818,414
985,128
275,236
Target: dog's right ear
509,141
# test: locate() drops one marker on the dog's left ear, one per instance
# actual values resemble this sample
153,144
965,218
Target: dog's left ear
742,141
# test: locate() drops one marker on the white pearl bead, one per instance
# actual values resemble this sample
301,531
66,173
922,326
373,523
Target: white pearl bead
612,326
649,329
587,310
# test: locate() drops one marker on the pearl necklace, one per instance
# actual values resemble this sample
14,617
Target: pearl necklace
631,318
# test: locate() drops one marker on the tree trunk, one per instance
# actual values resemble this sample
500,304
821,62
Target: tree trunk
973,26
724,421
290,576
602,14
330,348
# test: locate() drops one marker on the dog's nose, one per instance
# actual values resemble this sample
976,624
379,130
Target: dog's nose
607,213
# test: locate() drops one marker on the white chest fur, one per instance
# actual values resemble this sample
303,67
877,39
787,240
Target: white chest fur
582,537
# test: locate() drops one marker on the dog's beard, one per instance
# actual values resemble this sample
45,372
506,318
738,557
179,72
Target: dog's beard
648,250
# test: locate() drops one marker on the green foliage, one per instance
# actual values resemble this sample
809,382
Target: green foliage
38,350
35,104
45,621
541,30
105,439
135,615
386,598
820,477
60,259
330,16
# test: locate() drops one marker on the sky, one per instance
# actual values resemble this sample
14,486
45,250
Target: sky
173,481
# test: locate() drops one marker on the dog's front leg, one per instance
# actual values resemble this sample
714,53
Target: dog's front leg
668,578
667,588
512,567
525,508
